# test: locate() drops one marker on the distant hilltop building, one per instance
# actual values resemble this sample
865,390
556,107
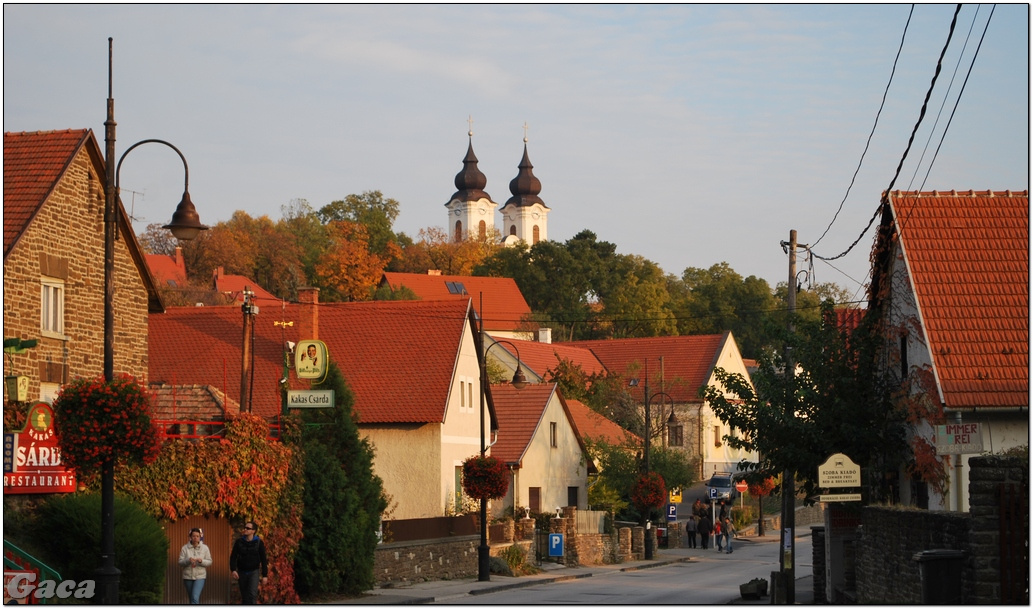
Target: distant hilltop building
471,211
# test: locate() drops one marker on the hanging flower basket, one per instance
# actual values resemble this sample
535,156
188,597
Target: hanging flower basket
485,478
649,492
96,421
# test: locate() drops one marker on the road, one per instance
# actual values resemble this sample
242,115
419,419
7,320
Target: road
708,578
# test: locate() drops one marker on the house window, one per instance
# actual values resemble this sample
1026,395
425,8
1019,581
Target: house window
536,234
552,435
534,498
459,231
482,230
52,307
469,393
572,493
462,395
903,357
675,437
717,436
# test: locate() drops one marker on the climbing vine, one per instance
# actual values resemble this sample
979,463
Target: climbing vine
242,476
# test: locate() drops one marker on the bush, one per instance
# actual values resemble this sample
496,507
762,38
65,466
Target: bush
742,517
73,545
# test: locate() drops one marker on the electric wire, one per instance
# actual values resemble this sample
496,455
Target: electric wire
946,96
868,143
911,139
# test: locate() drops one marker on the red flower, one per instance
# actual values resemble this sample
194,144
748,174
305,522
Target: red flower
485,478
649,492
96,421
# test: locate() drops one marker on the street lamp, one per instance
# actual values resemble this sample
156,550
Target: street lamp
185,225
519,382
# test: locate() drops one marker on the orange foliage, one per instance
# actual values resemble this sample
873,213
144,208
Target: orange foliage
347,269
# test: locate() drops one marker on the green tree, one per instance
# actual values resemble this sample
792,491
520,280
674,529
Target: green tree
344,499
640,304
718,299
371,210
839,402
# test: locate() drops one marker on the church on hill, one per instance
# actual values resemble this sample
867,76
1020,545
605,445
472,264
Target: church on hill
471,211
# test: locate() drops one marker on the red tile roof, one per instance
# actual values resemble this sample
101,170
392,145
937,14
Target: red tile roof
592,425
688,360
233,287
33,164
504,306
398,357
519,412
168,268
189,403
542,357
968,257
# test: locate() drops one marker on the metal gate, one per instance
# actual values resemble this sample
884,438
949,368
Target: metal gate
541,549
1014,534
218,536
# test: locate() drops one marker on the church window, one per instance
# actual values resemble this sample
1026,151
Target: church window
537,233
512,229
482,230
459,231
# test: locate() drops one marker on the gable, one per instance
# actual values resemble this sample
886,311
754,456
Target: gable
966,255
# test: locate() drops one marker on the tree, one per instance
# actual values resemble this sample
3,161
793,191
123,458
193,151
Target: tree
838,402
371,210
347,270
344,499
639,305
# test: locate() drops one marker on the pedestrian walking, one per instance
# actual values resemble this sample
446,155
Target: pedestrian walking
729,533
690,527
195,558
718,532
248,562
705,527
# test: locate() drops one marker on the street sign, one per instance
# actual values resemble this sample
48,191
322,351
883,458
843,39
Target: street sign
741,486
555,544
672,512
312,398
958,438
839,471
713,492
839,497
675,495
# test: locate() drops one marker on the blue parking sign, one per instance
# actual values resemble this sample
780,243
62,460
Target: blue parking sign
713,492
555,544
672,512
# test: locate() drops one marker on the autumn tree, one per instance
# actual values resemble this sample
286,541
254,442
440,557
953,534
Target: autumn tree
375,213
347,269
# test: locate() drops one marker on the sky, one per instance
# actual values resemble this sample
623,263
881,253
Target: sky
689,135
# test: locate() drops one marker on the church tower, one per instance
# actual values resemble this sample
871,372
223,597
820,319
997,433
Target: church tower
525,216
471,212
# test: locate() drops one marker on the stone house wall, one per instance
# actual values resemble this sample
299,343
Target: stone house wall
885,569
65,241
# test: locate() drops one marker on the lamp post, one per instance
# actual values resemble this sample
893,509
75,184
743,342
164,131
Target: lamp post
185,225
519,382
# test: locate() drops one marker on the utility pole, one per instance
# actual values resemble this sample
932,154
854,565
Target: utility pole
788,564
249,309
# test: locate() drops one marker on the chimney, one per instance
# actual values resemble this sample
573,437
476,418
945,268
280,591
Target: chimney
434,272
545,335
181,264
308,322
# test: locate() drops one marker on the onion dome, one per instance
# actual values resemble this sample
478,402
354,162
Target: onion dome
470,181
525,187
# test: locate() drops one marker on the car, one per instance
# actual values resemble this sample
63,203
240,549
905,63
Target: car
721,486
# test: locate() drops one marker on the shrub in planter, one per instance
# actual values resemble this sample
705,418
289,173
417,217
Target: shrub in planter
72,544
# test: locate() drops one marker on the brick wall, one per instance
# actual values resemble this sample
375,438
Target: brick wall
885,570
66,240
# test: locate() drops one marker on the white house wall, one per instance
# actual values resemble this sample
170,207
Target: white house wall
553,469
407,460
718,456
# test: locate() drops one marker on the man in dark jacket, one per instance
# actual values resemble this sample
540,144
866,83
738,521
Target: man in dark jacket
247,557
706,526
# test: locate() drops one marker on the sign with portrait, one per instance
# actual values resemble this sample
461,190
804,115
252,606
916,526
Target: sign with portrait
310,360
32,458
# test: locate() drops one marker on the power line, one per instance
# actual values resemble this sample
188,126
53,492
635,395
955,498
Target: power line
900,165
882,105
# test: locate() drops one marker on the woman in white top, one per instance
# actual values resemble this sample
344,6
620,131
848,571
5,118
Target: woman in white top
195,558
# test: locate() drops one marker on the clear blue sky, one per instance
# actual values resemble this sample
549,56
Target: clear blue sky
687,134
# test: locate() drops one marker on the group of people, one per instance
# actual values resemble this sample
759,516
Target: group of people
701,522
248,564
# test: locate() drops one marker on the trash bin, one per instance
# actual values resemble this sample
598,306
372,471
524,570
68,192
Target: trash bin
941,575
661,537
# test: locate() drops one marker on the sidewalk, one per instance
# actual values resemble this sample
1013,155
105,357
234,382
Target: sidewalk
444,590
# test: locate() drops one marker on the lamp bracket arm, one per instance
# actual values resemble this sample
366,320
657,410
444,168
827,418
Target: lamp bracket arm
186,170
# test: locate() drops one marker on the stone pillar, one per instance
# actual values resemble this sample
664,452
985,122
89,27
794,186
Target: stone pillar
638,547
624,544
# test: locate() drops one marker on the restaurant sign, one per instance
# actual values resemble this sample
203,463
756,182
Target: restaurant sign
32,459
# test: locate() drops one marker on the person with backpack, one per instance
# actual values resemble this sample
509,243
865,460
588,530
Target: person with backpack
247,562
